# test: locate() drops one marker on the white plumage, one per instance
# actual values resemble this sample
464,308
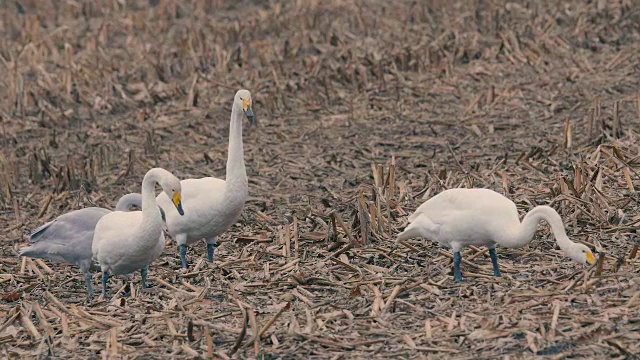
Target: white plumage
126,242
456,218
212,205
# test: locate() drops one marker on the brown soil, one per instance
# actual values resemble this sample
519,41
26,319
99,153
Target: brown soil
365,109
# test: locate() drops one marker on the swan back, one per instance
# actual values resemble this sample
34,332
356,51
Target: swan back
467,200
459,217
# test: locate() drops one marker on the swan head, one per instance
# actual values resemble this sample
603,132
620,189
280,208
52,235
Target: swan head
171,186
243,99
130,202
581,254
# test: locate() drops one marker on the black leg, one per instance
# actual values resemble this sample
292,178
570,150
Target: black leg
183,255
494,261
105,278
210,248
87,282
143,274
457,275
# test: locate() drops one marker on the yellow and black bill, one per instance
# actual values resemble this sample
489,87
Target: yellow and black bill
246,106
178,203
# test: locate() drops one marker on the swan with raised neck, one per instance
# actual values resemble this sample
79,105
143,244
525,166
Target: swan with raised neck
212,205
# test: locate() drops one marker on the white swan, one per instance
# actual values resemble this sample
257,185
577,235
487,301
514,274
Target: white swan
125,242
68,237
456,218
212,205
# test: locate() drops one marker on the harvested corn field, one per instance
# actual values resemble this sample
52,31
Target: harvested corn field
364,110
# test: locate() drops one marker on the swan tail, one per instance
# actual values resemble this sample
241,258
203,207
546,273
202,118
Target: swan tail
35,235
28,251
416,228
34,252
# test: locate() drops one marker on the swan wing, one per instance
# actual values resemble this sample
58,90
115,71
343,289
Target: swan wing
114,234
68,238
468,216
477,203
199,196
67,225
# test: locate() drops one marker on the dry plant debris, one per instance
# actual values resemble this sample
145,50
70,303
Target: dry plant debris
365,109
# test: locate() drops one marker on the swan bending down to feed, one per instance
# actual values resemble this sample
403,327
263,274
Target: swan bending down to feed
212,205
456,218
68,237
126,242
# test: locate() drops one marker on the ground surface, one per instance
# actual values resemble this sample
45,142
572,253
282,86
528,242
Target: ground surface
537,100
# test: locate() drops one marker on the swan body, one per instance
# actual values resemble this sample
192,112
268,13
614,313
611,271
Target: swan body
125,242
68,238
456,218
212,205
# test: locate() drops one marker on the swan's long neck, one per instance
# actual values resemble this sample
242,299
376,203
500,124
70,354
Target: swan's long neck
236,178
151,220
525,231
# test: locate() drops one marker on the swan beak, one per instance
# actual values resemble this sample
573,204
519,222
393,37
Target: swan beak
178,203
590,258
246,106
250,115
